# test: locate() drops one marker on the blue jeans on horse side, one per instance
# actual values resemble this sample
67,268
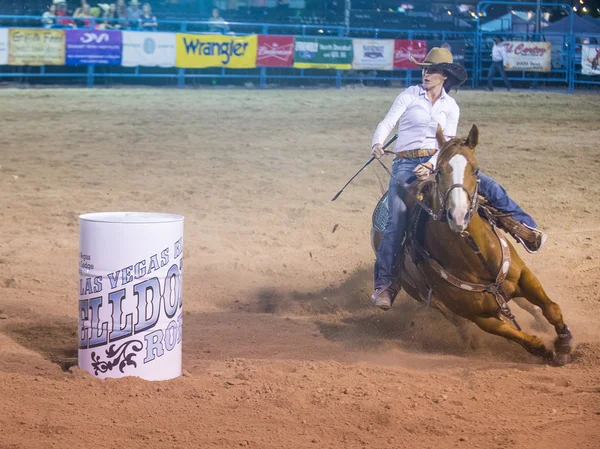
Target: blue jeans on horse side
391,241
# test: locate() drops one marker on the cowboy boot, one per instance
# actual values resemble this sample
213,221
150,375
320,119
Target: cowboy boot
384,297
532,239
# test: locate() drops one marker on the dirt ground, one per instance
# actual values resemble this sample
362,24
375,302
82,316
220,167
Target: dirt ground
281,347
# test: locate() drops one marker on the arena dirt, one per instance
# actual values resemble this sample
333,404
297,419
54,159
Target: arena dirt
282,348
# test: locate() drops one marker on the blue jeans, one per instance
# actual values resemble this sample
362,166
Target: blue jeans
497,66
386,262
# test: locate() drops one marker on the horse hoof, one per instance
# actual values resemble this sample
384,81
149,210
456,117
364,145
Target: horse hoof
561,359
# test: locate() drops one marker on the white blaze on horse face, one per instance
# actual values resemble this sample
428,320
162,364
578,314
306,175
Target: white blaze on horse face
459,202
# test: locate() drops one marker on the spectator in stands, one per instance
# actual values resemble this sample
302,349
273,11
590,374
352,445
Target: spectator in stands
84,13
122,13
109,13
499,61
49,17
134,13
148,21
61,11
216,23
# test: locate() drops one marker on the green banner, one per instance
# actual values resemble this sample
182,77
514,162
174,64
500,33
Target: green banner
322,53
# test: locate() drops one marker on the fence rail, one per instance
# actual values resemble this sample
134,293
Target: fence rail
565,72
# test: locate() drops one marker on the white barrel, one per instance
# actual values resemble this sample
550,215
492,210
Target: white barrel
130,294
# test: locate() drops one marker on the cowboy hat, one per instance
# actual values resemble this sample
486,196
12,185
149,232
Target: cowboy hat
442,58
104,7
134,2
57,2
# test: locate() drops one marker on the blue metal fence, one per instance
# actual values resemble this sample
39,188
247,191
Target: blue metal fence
565,72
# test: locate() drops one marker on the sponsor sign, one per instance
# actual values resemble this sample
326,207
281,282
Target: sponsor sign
373,54
528,56
405,48
94,47
197,51
3,46
148,49
275,51
36,47
322,53
590,60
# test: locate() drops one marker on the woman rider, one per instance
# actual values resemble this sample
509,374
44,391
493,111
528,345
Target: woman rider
418,110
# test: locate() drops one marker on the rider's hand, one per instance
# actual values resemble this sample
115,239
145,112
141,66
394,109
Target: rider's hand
377,150
422,171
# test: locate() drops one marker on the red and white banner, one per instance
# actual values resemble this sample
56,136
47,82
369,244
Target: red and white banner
528,56
275,51
405,48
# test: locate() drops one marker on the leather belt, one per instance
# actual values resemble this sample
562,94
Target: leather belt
411,154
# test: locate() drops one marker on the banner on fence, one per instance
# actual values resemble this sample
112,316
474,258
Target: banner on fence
3,46
275,51
322,53
94,47
529,56
405,48
197,51
456,47
36,47
373,54
148,49
590,60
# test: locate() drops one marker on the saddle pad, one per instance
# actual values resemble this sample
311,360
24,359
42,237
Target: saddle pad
381,214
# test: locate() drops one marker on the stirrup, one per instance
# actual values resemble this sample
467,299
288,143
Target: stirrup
532,247
384,302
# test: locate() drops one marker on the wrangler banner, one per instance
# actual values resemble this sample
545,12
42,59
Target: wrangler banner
197,51
590,59
36,47
322,53
528,56
373,54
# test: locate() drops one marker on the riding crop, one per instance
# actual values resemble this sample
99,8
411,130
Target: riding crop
363,167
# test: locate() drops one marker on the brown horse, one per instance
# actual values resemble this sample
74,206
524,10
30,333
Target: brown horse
471,285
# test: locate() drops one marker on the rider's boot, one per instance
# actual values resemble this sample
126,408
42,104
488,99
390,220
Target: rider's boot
384,296
531,238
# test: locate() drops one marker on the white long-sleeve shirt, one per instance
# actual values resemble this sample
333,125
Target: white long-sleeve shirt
499,53
417,121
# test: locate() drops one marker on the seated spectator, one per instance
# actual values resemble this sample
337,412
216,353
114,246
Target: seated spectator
134,13
148,21
122,13
109,14
49,17
84,13
61,11
216,23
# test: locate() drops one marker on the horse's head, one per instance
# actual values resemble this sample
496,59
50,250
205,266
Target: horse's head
456,178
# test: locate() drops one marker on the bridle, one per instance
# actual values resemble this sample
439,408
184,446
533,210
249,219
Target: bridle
473,198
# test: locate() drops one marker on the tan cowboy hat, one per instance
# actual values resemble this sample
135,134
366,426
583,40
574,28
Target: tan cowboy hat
442,58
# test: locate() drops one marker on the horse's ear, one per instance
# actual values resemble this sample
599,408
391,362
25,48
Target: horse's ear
439,135
473,138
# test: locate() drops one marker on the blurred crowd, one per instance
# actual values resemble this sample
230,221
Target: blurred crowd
103,16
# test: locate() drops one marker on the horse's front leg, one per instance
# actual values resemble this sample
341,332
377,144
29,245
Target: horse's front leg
532,290
531,343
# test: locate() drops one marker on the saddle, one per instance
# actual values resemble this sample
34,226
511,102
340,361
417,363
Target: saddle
410,277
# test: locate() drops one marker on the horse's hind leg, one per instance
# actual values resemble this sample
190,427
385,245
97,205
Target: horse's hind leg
531,343
532,290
